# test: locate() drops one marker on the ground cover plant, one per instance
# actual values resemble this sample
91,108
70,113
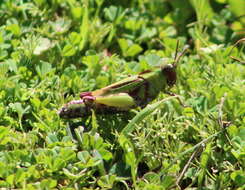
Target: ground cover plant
52,50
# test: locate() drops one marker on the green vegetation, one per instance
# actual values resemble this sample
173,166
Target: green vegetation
51,50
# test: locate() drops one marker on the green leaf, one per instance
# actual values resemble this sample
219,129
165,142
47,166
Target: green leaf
77,12
129,155
43,44
107,181
151,59
48,183
10,179
123,45
84,28
43,68
128,48
3,54
167,181
12,64
152,177
17,107
237,7
4,67
3,132
133,50
61,25
238,177
51,138
84,156
106,155
203,163
74,38
68,50
15,29
112,13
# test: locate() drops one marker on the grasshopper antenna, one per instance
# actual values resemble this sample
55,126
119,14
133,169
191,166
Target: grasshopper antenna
176,51
234,58
178,56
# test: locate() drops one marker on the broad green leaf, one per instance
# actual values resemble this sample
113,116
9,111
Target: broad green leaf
203,10
129,155
84,156
12,64
167,181
128,48
61,25
107,181
15,29
17,107
238,177
51,138
123,45
68,50
43,44
10,179
74,38
77,12
112,13
43,68
237,7
48,183
152,177
133,50
151,60
3,54
4,67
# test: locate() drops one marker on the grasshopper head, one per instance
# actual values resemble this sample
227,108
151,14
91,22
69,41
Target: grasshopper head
170,72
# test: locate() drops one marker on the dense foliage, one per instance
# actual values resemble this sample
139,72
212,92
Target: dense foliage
50,50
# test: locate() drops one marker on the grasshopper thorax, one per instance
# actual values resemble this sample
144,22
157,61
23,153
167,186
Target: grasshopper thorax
170,72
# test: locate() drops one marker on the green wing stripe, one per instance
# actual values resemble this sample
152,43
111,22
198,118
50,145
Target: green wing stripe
122,86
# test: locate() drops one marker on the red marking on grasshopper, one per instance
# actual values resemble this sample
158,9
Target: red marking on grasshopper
84,94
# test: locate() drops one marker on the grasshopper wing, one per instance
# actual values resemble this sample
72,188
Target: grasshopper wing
123,86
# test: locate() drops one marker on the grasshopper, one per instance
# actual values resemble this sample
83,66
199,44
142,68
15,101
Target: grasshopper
129,93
